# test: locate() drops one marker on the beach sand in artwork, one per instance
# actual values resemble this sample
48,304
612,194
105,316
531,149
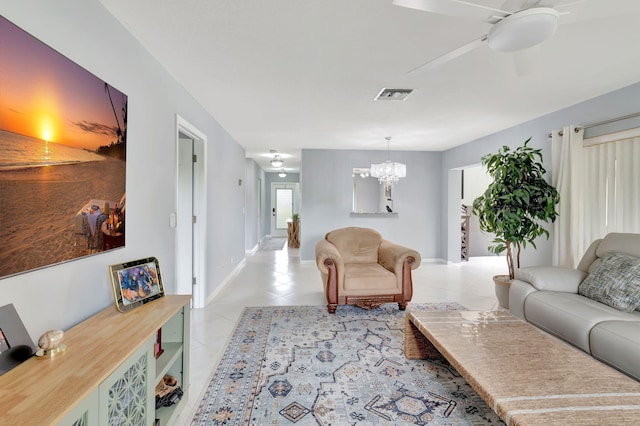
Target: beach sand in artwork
38,206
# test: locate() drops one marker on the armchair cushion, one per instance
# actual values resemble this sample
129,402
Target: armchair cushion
363,278
356,245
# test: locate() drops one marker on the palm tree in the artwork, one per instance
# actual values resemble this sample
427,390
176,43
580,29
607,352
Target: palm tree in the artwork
121,132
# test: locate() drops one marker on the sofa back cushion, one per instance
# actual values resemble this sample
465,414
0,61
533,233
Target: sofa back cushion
356,245
614,281
613,242
621,243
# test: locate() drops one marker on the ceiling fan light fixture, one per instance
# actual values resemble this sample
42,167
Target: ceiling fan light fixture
523,29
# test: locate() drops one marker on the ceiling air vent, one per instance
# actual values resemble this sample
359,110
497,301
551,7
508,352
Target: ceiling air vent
393,94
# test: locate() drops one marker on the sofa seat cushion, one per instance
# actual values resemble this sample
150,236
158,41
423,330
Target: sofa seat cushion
568,315
617,343
615,281
368,278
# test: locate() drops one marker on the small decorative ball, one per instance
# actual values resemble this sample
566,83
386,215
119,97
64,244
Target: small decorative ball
50,339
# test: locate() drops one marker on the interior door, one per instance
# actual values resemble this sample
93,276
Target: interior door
185,222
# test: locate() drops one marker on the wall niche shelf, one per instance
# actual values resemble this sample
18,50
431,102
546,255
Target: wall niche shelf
107,355
379,214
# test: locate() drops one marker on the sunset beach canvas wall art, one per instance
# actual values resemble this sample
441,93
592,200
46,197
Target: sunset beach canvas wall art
63,136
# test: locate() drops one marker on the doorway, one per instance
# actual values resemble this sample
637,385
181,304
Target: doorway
190,220
466,184
284,203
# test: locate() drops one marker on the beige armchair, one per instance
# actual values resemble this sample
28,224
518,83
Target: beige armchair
359,267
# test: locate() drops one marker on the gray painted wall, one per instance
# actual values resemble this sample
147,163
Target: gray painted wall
63,295
326,187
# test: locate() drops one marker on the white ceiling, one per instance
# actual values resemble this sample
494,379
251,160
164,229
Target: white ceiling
290,74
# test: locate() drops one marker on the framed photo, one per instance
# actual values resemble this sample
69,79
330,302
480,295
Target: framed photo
136,283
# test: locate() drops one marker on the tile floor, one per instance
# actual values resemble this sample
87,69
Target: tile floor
279,278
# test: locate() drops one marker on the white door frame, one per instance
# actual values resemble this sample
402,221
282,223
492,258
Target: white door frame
454,243
259,202
195,264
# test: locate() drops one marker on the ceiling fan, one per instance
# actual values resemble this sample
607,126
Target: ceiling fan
516,26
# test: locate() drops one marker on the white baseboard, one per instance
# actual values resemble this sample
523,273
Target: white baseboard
254,249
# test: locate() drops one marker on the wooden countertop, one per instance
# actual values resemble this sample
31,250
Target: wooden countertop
42,391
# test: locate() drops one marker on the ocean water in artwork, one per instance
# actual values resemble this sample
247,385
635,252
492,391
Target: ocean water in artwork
18,151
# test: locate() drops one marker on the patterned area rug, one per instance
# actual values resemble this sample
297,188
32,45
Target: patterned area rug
300,365
273,243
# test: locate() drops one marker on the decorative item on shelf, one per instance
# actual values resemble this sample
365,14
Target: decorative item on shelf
136,283
157,347
16,345
168,392
49,344
388,172
515,206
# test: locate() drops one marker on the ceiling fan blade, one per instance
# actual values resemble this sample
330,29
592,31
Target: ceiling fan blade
515,5
449,55
560,5
584,11
456,8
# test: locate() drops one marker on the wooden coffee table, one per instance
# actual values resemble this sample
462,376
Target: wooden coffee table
526,376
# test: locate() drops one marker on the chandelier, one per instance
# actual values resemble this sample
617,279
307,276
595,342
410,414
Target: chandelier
388,171
277,161
282,173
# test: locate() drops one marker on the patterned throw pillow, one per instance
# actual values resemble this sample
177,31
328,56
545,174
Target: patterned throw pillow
614,282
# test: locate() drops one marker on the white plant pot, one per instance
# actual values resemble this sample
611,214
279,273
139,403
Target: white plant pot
502,285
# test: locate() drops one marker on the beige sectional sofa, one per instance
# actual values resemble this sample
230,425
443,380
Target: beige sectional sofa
594,307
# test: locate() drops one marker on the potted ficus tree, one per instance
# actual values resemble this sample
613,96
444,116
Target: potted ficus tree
515,207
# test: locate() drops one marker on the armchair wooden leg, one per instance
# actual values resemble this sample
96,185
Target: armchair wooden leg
407,284
331,289
402,305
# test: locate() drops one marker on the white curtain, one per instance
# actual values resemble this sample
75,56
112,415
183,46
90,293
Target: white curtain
567,177
612,203
599,184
